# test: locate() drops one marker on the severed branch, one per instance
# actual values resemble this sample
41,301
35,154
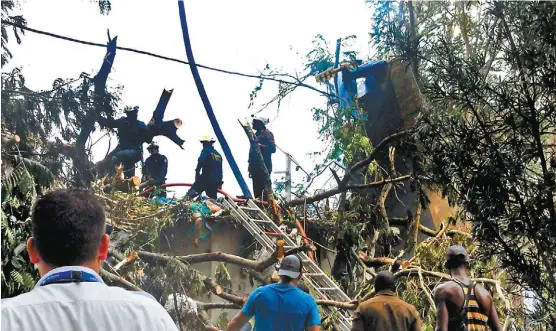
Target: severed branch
218,291
349,305
118,279
217,305
150,257
343,186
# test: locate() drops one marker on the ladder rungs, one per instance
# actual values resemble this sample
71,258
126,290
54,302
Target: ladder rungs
327,289
261,221
249,208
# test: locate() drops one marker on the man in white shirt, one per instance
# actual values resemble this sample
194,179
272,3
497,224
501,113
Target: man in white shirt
68,244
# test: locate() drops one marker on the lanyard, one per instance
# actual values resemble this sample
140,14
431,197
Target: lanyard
69,276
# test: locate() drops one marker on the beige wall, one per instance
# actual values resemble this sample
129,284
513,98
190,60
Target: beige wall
225,238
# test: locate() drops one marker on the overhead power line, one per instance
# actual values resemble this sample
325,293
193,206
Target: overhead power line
84,42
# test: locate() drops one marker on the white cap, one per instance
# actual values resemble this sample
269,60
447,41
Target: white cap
207,138
263,120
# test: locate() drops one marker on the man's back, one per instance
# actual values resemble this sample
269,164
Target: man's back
211,162
386,312
84,306
281,307
467,305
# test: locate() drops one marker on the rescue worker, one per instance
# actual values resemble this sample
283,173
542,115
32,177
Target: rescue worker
461,303
208,174
265,140
156,168
132,133
385,311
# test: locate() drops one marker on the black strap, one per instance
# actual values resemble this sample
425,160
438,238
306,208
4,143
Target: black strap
468,296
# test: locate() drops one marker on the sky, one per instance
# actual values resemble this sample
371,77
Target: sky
234,35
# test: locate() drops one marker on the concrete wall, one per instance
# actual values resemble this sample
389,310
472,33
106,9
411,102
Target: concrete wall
226,238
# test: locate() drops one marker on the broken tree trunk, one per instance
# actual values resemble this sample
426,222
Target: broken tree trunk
99,105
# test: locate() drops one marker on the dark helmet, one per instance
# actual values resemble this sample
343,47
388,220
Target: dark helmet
152,146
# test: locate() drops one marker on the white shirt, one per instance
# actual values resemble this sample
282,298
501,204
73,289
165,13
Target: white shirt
87,306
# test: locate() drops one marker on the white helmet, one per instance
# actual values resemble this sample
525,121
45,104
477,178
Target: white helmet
263,120
207,138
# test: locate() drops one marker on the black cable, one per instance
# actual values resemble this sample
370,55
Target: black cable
57,36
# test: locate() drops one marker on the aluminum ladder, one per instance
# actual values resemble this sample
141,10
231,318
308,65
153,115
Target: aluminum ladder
256,222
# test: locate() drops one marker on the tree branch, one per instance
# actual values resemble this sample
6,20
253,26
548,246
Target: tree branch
118,279
150,257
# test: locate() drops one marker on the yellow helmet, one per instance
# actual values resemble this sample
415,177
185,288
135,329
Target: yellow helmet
207,138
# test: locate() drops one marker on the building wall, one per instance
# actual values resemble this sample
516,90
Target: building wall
226,238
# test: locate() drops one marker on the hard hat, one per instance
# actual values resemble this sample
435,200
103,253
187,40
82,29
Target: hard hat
130,109
152,145
207,138
263,120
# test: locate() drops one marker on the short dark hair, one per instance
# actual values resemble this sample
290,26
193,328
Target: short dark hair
454,264
67,227
385,280
286,279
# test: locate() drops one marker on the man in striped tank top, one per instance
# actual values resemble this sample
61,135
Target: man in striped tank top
463,305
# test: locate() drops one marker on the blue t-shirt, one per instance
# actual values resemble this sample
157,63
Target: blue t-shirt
281,307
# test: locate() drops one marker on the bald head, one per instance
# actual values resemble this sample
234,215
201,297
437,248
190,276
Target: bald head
385,280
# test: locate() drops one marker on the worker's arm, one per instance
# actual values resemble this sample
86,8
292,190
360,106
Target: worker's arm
313,320
146,173
441,309
238,322
267,142
200,163
163,171
245,314
108,122
416,326
357,324
493,321
486,301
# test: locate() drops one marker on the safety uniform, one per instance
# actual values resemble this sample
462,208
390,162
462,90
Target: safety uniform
265,139
131,136
156,168
208,174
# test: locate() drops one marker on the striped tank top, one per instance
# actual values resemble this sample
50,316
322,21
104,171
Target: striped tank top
470,317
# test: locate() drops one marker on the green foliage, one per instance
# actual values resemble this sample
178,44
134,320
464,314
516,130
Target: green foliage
222,275
223,320
19,191
487,73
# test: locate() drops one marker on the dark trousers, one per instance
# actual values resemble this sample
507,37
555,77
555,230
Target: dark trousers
259,186
207,185
128,157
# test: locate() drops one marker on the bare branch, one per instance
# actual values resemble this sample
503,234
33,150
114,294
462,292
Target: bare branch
121,280
344,182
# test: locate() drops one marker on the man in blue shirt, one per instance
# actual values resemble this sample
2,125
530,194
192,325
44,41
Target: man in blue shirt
156,168
280,306
208,174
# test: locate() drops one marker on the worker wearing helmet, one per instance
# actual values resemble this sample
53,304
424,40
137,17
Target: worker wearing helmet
208,174
132,133
156,168
265,140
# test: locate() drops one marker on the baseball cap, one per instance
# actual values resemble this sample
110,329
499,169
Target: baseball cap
290,266
457,253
